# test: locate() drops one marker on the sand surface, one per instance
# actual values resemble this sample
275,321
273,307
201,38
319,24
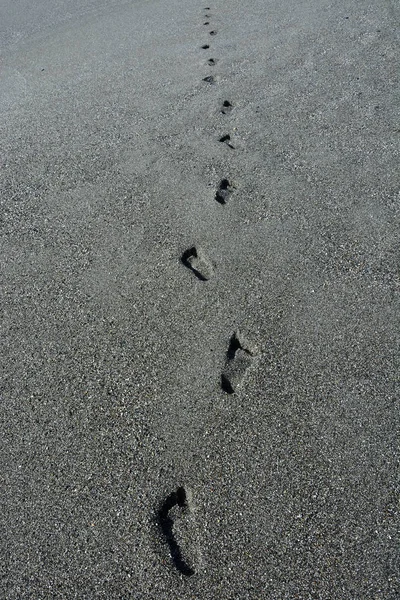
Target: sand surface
199,338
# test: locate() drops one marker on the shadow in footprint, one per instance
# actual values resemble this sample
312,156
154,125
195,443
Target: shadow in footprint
226,107
195,260
223,192
226,139
205,47
239,358
207,23
212,62
177,499
234,345
209,79
213,32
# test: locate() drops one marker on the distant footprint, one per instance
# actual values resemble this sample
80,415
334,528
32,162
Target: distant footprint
205,47
197,262
226,107
212,62
226,139
209,79
213,32
178,527
224,190
239,358
207,23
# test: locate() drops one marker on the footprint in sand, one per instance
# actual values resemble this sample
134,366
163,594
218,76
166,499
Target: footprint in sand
239,358
224,190
177,524
213,32
212,62
226,107
226,139
195,260
205,47
209,79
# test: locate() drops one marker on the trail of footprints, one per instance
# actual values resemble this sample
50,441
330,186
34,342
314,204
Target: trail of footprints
226,105
176,515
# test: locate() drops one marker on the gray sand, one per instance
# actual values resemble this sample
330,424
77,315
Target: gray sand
119,448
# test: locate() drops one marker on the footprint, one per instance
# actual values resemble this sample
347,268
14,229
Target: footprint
240,356
178,527
212,61
213,32
224,190
197,262
205,47
209,79
226,139
207,23
226,107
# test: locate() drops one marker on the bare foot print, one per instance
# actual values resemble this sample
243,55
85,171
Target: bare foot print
226,107
226,139
224,190
197,262
209,79
178,527
239,358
